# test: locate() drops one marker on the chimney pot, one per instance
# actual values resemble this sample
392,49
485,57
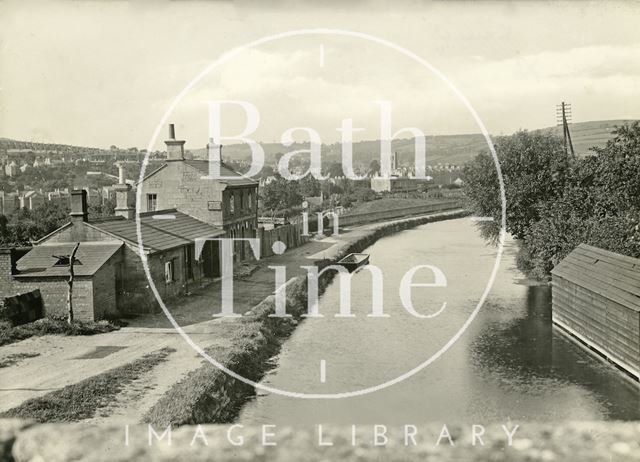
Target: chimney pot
175,148
121,176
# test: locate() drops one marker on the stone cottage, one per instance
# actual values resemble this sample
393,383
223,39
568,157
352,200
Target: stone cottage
183,184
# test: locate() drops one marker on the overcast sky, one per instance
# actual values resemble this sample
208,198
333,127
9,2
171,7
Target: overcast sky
101,73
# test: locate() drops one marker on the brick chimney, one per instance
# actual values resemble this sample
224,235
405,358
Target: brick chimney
78,205
124,195
175,148
8,260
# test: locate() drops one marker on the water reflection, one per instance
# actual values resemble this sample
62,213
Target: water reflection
528,355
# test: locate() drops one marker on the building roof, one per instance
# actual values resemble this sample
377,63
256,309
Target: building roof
611,275
233,178
161,230
236,179
41,260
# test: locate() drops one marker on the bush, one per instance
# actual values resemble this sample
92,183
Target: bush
49,326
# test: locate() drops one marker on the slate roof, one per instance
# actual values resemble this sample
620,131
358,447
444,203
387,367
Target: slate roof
91,256
237,179
161,230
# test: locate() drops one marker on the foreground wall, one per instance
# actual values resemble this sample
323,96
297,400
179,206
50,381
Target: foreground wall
571,441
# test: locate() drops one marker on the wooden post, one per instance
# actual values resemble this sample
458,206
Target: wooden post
70,282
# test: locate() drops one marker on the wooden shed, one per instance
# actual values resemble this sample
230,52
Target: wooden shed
596,298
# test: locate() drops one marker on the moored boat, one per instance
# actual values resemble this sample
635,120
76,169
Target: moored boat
353,261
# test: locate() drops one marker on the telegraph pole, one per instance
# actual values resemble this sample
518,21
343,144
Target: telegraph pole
563,117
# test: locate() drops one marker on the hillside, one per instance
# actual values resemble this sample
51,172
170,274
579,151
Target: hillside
447,149
588,134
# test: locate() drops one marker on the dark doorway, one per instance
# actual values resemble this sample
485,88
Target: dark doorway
211,259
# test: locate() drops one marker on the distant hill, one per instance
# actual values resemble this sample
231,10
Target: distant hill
588,134
444,149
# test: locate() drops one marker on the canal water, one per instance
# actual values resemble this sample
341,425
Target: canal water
510,364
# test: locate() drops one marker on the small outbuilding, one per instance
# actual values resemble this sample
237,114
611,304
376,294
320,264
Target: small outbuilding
46,268
596,299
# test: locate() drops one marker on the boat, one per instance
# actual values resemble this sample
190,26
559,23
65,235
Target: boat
353,261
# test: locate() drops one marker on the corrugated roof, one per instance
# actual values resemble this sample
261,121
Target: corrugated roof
237,179
614,276
161,230
40,261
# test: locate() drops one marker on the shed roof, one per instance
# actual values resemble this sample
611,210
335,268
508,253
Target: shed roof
41,260
614,276
161,230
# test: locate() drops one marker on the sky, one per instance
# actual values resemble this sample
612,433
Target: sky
97,74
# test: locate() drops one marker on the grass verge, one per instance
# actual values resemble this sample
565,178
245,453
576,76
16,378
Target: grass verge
209,395
48,326
16,358
81,400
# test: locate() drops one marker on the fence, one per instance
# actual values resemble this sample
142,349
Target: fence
290,234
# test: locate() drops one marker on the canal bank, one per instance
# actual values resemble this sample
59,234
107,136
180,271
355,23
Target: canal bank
209,395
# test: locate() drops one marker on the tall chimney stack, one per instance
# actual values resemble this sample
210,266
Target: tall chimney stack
79,210
175,148
124,196
214,151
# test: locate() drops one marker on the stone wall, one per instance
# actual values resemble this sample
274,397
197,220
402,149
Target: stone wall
181,186
134,292
54,295
22,441
104,290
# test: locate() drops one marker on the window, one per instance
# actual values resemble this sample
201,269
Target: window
168,271
152,202
232,204
241,201
250,201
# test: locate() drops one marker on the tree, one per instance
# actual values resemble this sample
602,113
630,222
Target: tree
335,170
72,259
556,203
281,194
25,226
534,170
310,186
374,167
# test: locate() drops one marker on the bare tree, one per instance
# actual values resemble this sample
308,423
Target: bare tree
72,258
